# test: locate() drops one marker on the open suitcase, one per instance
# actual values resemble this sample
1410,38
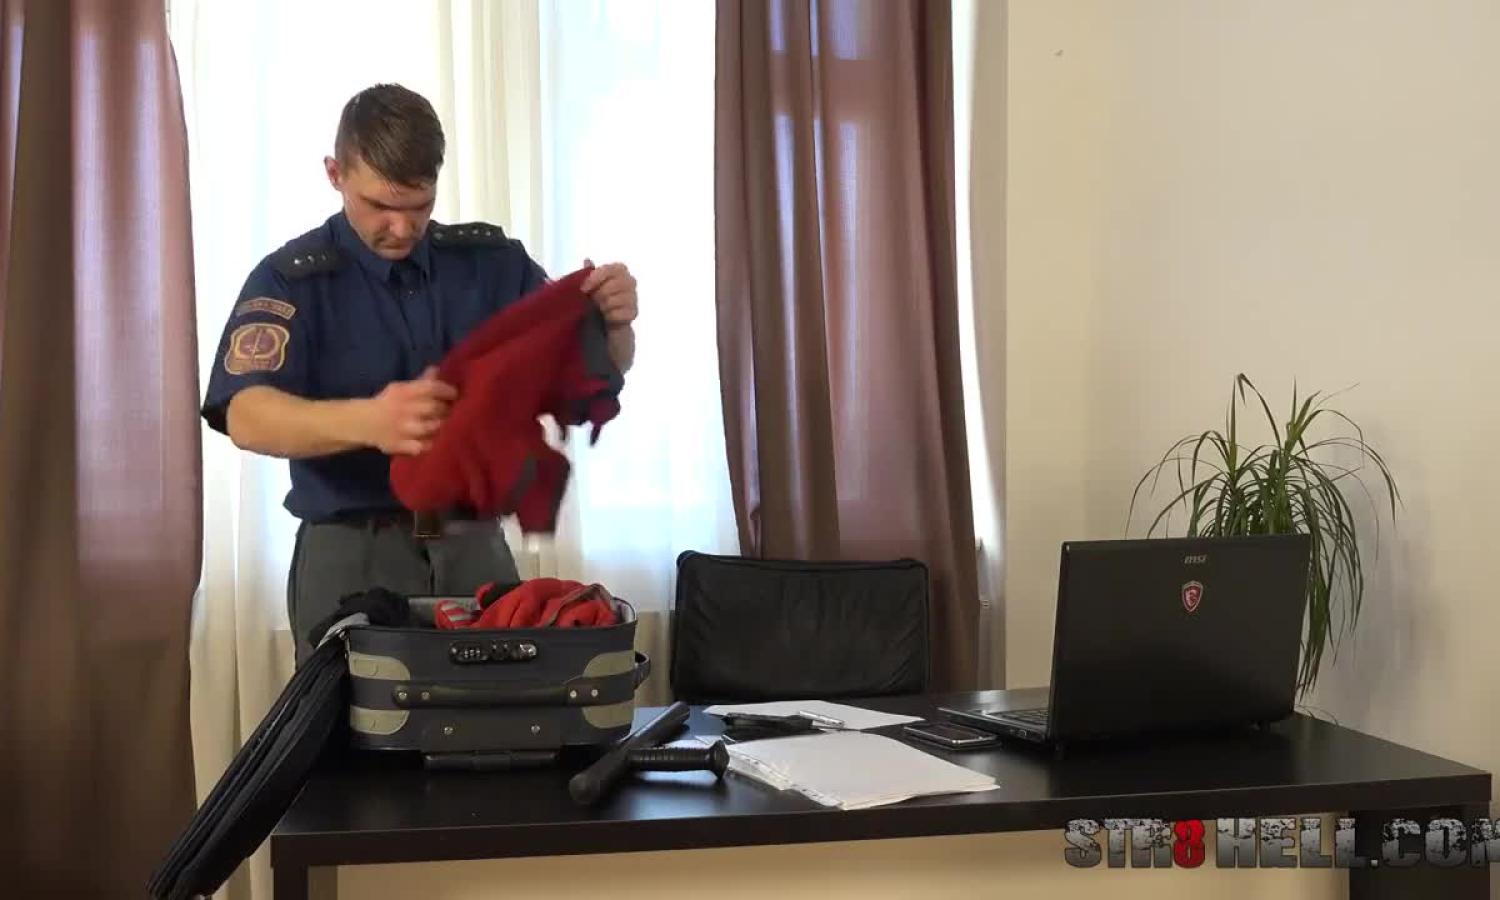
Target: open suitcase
472,699
492,698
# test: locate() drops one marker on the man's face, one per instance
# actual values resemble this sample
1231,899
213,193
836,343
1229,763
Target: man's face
389,218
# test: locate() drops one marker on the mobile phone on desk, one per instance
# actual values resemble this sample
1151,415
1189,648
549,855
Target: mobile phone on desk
765,719
740,727
949,735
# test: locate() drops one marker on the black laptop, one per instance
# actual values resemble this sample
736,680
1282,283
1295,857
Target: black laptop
1167,635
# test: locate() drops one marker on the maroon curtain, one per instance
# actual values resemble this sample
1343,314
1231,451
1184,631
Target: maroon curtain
837,293
100,502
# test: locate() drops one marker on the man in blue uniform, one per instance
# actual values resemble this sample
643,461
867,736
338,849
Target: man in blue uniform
328,359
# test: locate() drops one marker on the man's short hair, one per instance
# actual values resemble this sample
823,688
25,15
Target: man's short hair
394,131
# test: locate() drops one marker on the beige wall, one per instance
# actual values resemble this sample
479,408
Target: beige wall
1294,190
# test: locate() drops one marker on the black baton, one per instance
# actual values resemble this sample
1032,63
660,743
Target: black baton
592,783
713,759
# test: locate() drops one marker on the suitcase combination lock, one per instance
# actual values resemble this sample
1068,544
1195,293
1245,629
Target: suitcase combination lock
479,652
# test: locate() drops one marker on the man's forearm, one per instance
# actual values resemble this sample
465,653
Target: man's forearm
622,347
265,420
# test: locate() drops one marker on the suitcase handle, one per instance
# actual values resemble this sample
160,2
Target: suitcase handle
602,691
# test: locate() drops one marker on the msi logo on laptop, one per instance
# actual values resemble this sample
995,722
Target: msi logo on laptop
1192,595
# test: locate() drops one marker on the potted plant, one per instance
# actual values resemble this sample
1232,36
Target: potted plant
1297,483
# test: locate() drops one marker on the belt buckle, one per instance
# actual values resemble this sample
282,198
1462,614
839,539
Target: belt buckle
427,525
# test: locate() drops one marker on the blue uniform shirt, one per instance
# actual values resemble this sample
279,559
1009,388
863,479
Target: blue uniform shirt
326,318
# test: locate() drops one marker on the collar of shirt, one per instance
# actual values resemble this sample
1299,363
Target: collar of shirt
372,262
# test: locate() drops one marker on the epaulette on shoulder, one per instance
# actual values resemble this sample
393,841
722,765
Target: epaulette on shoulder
470,234
310,254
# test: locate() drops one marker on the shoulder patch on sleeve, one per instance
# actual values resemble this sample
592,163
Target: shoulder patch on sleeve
257,347
471,234
300,260
266,305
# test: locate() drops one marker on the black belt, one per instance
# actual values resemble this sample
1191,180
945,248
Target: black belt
421,524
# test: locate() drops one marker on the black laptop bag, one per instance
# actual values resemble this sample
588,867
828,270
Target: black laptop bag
747,630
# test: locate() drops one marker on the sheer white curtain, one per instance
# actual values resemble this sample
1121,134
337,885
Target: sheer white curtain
627,174
583,128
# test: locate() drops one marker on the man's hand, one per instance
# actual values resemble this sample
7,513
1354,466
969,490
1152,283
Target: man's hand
613,288
406,414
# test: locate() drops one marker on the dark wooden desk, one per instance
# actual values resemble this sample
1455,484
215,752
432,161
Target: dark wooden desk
373,813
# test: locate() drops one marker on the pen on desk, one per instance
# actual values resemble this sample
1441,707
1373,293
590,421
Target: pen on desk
820,719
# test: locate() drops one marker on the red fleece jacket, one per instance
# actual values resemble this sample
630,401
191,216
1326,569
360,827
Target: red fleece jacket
538,603
546,354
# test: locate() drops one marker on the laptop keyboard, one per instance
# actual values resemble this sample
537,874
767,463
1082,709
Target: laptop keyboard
1037,717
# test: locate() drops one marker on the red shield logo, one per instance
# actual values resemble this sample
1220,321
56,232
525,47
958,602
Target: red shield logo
1192,595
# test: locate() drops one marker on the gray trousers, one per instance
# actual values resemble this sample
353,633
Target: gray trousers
332,560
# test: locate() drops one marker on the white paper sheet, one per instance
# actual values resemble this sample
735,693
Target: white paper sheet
852,770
